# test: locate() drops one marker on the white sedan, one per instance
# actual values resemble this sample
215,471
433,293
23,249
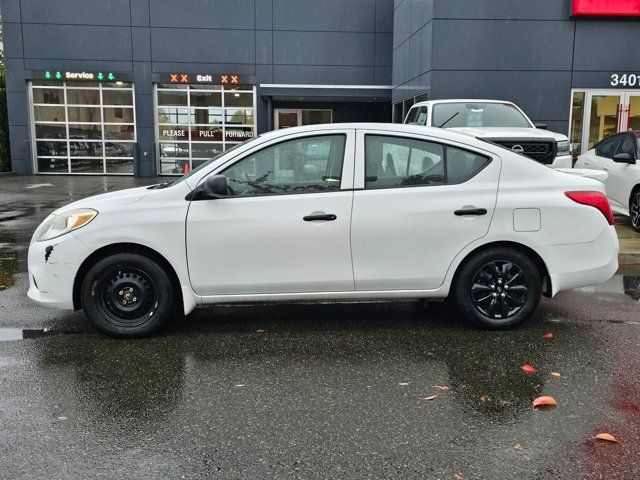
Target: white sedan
331,212
618,156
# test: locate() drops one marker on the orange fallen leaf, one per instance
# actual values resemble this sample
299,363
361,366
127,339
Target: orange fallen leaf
545,402
261,330
555,374
528,369
607,437
548,336
483,398
457,476
431,397
239,385
517,446
403,384
440,387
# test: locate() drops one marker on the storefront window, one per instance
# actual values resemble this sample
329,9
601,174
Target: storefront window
83,127
197,122
577,116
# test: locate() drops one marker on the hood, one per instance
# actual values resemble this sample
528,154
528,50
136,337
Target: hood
119,197
511,132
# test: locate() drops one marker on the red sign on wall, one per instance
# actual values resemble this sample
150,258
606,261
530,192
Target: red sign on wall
607,8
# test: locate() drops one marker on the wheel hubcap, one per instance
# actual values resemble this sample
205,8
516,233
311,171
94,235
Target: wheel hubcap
128,296
499,290
634,211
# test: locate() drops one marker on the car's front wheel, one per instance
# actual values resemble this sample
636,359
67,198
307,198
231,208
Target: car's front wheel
127,295
634,209
498,288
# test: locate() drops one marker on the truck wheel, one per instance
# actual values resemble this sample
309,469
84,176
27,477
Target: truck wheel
127,295
498,288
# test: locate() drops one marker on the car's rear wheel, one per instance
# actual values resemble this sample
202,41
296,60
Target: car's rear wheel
498,288
634,209
127,295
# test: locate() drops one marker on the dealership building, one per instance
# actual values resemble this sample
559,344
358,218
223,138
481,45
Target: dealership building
156,87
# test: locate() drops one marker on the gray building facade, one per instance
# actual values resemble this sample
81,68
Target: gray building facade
579,74
151,87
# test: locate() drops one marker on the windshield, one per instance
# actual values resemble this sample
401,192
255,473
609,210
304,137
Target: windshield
456,115
170,183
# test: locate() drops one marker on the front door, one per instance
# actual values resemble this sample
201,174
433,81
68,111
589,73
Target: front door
284,227
417,204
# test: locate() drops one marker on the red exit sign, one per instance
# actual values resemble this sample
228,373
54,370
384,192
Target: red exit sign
607,8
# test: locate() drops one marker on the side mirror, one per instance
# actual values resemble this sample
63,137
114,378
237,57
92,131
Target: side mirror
215,186
623,158
540,125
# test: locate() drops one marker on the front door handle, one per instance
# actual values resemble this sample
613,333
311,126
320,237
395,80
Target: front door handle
327,217
606,167
471,211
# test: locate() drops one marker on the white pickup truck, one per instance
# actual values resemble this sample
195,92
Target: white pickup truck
495,121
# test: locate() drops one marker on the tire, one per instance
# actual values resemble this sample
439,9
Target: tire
481,294
634,209
127,295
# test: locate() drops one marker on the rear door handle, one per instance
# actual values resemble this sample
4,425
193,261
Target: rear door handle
471,211
327,217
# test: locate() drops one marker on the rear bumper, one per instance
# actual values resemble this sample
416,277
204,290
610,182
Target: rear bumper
52,270
582,264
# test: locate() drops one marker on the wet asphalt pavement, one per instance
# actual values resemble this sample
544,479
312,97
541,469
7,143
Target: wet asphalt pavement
310,391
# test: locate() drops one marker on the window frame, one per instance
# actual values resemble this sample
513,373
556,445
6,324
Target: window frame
348,162
360,170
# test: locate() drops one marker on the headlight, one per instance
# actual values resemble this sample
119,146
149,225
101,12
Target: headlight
563,147
65,222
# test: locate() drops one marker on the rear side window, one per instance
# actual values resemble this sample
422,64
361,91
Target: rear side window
607,146
392,162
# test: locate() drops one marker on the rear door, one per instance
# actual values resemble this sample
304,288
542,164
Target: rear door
417,204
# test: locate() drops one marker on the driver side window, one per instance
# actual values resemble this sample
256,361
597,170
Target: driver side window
301,165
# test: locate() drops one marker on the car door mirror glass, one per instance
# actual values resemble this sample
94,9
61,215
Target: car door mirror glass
215,186
623,158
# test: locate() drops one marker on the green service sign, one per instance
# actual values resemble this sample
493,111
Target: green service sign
80,75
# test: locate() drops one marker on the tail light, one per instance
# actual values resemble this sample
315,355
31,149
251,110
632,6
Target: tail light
593,199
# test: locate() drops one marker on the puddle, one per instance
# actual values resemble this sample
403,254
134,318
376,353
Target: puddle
8,334
626,284
8,269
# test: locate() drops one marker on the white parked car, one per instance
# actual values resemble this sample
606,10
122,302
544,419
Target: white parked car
496,121
618,156
331,212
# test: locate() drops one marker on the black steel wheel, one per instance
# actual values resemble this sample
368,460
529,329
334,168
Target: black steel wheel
634,209
498,288
127,295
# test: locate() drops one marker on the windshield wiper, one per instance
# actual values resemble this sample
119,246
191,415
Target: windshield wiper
160,185
448,120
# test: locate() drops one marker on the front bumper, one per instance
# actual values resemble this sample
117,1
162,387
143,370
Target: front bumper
562,161
52,270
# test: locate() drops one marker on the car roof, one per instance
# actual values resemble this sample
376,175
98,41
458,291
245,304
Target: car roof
445,134
459,100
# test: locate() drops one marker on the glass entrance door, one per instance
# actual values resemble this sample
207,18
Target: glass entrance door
632,110
286,117
596,114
